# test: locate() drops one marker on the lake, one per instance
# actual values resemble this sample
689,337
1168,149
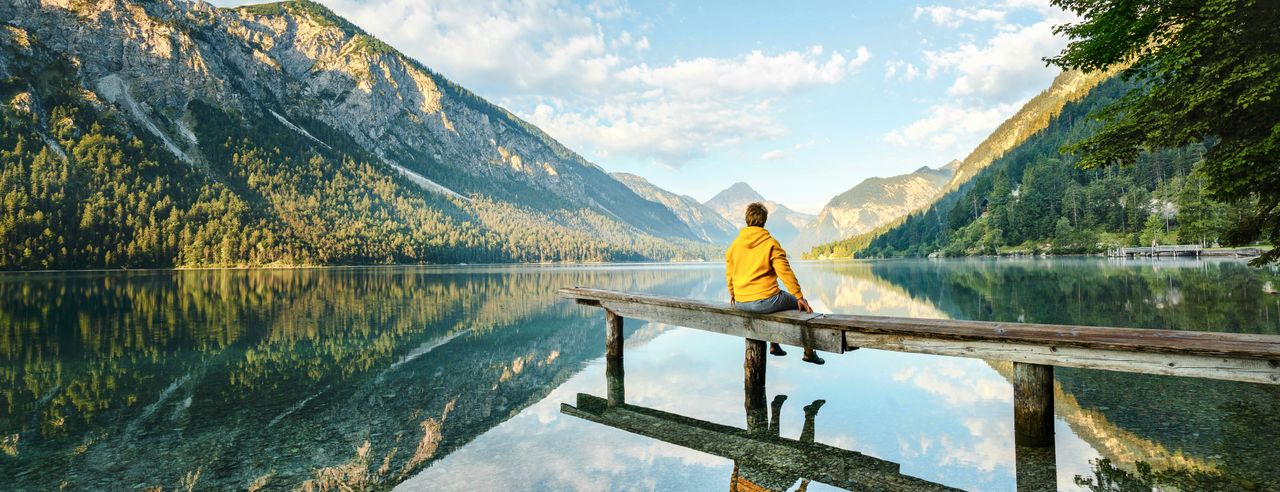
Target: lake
443,378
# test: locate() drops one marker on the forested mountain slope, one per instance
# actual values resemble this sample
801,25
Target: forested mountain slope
1035,200
870,204
143,134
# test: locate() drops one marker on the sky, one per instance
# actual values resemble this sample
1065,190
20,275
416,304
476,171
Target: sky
801,100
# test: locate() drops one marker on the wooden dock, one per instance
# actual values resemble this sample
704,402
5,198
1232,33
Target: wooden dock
1156,251
1033,348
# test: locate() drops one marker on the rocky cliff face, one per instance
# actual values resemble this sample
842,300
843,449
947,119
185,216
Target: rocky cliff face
319,75
784,223
706,223
872,203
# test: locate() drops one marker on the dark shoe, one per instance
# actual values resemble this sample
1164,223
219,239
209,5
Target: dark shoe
776,349
814,359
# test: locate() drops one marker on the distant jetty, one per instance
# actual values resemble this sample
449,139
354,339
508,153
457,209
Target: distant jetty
1181,250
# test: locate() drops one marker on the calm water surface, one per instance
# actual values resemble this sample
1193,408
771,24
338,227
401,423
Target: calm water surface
454,379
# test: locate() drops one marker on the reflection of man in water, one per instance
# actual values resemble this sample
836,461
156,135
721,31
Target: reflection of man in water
750,478
753,265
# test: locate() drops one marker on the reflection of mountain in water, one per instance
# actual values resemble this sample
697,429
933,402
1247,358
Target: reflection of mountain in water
281,378
1190,432
852,288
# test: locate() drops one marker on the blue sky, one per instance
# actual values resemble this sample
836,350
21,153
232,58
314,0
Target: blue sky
801,100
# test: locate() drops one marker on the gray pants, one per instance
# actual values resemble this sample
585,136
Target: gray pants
782,301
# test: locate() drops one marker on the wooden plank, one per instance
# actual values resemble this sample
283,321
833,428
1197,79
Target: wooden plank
1265,347
1171,364
820,462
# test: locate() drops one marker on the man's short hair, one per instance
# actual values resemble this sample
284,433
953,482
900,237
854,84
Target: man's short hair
757,214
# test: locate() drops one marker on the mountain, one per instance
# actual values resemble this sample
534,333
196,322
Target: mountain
784,224
872,203
706,224
1035,200
1032,117
174,133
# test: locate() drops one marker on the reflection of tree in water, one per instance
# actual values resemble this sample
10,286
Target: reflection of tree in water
1229,425
139,378
1183,295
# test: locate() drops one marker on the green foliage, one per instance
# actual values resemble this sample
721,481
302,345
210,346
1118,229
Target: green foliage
1019,203
1210,67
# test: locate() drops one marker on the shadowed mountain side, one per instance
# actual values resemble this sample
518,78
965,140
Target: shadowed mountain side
363,377
784,224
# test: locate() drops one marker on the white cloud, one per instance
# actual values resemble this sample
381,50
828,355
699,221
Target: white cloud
557,64
669,131
772,155
1005,67
503,46
951,127
953,17
992,77
900,69
754,72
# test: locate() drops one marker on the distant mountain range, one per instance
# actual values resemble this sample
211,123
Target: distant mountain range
706,223
784,224
871,204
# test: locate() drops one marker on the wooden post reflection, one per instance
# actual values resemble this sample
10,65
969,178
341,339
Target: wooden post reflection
753,367
614,376
1036,468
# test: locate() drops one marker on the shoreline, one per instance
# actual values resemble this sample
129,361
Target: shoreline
424,266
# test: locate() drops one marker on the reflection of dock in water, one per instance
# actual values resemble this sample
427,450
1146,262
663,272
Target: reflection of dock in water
759,450
763,460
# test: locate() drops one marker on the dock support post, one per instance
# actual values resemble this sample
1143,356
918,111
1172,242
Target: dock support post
613,334
1033,404
613,372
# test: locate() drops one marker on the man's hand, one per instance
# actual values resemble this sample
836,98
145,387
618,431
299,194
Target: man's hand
804,305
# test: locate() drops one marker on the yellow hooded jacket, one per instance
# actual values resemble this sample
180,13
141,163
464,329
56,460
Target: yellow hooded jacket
754,263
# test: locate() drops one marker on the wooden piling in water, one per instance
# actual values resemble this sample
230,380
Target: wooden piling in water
1032,404
613,334
614,372
753,364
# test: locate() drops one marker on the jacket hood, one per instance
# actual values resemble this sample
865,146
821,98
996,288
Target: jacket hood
754,236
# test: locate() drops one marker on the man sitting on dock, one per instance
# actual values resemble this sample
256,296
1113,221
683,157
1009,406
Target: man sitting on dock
753,264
